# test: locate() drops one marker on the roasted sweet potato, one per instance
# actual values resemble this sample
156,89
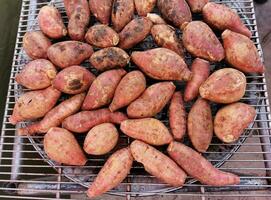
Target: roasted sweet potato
226,85
143,7
37,74
73,80
61,146
241,53
158,164
156,19
68,53
196,6
109,58
101,139
200,41
34,104
101,9
51,23
114,171
161,64
55,116
152,101
198,167
231,120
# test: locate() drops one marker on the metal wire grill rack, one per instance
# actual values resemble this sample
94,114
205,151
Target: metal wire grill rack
25,175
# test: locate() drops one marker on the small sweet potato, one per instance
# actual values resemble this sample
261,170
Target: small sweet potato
51,23
196,6
200,125
36,44
73,80
158,164
68,53
34,104
156,19
143,7
114,171
101,139
61,146
152,101
231,120
131,86
109,58
226,85
37,74
161,64
198,167
102,90
149,130
101,9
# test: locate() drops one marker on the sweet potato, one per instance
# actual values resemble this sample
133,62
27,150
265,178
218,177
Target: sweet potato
37,74
222,17
143,7
55,116
102,90
109,58
51,23
85,120
61,146
165,36
148,130
226,85
71,5
152,101
156,19
68,53
200,69
131,86
200,41
158,164
34,104
101,139
134,32
198,167
177,116
36,44
175,11
114,171
231,120
122,13
101,9
73,80
241,53
161,64
200,125
196,6
102,36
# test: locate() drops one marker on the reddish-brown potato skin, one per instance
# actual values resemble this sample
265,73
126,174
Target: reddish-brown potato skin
231,120
198,167
222,17
200,125
55,116
85,120
109,58
68,53
73,80
226,85
165,36
36,44
102,36
131,86
200,41
152,101
158,164
122,13
196,6
37,74
177,116
101,9
114,171
61,146
51,23
34,104
241,53
156,19
175,11
162,64
143,7
200,69
70,5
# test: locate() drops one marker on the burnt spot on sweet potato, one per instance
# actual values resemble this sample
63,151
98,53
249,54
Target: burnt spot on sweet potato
116,7
75,84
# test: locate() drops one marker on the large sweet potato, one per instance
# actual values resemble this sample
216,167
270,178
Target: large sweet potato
143,7
101,9
196,6
156,19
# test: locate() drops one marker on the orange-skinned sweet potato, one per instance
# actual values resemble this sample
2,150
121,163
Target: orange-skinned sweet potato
156,19
143,7
196,6
101,9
